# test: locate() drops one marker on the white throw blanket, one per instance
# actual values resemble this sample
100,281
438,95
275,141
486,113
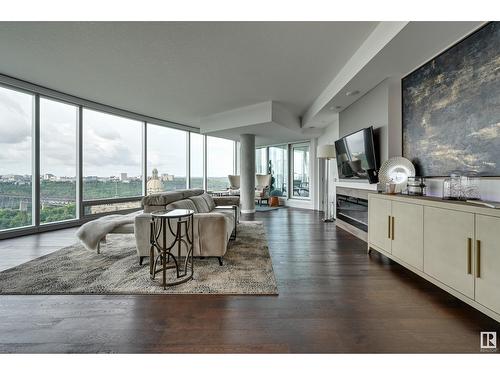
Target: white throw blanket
91,233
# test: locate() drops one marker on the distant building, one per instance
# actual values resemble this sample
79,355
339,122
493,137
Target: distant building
23,206
49,177
66,179
123,177
154,184
167,177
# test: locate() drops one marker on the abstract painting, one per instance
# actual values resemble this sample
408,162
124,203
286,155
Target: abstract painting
451,108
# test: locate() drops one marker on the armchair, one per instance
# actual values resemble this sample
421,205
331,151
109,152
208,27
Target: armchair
234,184
262,185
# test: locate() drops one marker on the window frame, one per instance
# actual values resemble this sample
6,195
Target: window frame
34,160
234,167
77,165
291,165
37,92
187,169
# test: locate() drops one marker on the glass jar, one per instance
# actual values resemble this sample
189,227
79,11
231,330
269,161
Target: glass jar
416,186
456,186
447,188
471,189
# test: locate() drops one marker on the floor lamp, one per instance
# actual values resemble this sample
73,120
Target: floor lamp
327,152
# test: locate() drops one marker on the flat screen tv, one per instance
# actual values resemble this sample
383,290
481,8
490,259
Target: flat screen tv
356,156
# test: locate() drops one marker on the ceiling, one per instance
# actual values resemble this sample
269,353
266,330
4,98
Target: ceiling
394,49
182,71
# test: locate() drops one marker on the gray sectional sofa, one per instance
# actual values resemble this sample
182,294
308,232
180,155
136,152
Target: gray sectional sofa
213,226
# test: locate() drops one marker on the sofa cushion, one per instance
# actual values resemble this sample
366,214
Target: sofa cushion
210,201
149,209
191,192
185,204
162,199
230,200
200,203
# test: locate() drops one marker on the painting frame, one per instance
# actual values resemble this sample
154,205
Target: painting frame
424,170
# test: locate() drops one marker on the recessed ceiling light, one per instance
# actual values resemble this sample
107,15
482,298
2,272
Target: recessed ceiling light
352,93
338,107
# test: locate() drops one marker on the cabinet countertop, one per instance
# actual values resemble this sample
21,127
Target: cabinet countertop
440,203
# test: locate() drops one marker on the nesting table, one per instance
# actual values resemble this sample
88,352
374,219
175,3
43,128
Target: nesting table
169,255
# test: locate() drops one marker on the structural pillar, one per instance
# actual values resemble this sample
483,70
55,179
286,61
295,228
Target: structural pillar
247,178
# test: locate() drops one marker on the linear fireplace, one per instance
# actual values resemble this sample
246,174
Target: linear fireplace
352,209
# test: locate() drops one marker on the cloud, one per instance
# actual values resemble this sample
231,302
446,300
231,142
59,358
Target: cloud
107,134
106,156
15,120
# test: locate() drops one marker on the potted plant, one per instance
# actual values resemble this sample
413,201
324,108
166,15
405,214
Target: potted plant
270,171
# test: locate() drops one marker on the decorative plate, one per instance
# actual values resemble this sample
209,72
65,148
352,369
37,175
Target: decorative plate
396,169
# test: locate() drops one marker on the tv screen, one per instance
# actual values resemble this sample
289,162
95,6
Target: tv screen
356,156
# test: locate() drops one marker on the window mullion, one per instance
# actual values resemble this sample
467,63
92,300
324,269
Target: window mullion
36,164
144,158
205,182
188,160
79,164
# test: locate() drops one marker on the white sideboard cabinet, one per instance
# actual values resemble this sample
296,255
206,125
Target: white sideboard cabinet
455,245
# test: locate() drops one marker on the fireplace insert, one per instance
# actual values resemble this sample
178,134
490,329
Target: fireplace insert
353,210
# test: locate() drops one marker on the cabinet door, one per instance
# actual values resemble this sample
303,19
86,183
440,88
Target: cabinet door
447,235
379,214
408,243
488,258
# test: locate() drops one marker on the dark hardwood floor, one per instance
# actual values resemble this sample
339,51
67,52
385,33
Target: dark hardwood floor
334,298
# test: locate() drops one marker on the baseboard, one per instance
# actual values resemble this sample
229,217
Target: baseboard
361,234
300,203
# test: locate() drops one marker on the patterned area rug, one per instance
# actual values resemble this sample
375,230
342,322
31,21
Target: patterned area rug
247,269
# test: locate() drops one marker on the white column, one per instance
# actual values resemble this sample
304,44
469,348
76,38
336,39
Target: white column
247,169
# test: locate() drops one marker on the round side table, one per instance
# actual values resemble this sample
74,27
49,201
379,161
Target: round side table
179,223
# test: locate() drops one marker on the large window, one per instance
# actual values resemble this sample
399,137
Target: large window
300,158
279,166
16,168
220,163
112,156
196,160
167,153
58,160
43,133
261,160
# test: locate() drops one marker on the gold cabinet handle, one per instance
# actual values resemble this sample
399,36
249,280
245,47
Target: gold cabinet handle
388,227
469,256
392,228
478,258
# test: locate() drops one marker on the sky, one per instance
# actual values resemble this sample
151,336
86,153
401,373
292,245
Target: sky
111,144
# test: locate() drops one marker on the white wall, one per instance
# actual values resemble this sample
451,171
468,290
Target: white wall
370,110
381,108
